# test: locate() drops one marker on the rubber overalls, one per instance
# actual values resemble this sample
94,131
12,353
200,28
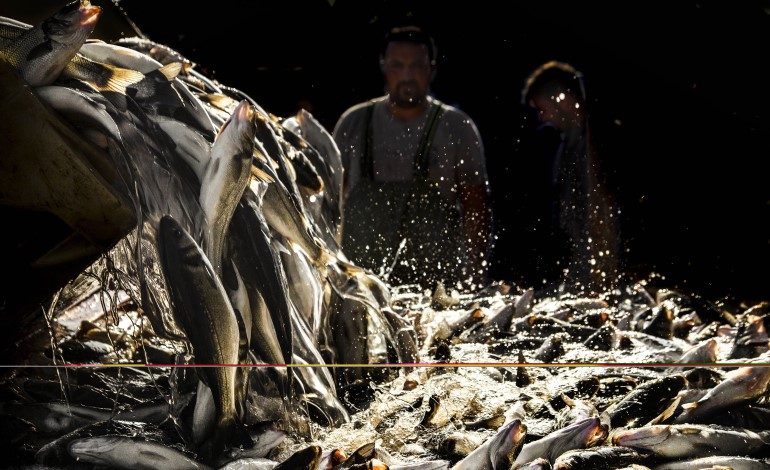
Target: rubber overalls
380,216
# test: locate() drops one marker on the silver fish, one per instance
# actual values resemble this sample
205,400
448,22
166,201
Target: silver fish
80,109
226,178
202,308
250,464
130,454
740,386
599,457
679,441
499,451
577,436
41,53
721,462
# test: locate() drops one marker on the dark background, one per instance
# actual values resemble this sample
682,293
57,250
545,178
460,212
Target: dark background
678,93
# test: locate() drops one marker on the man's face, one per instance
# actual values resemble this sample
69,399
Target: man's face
558,107
407,72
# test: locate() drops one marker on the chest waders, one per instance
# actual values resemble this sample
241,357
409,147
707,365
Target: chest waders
380,214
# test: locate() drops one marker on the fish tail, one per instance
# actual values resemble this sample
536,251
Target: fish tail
120,79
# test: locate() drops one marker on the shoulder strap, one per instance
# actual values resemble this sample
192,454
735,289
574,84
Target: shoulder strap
423,150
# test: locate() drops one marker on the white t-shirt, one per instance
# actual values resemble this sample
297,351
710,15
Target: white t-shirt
456,154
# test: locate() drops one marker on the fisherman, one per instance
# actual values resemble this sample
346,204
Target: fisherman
415,190
565,210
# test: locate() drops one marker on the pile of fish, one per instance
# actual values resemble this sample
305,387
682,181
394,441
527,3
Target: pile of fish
235,261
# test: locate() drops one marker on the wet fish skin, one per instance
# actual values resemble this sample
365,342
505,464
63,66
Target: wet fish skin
265,440
703,353
250,463
537,464
226,178
600,458
56,453
501,319
41,53
576,411
286,217
432,465
119,56
677,441
126,453
191,146
499,451
552,348
79,108
305,459
740,386
721,462
646,402
203,309
577,436
320,138
603,340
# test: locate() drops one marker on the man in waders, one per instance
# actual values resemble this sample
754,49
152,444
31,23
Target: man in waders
416,186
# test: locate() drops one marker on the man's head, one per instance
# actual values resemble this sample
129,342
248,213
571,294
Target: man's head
555,90
408,61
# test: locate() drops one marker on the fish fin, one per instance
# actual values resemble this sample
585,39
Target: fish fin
170,71
261,175
120,79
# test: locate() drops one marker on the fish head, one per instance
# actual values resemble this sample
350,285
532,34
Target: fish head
72,25
239,130
592,432
646,437
177,247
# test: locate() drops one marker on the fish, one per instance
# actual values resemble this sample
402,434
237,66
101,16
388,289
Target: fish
600,458
646,402
284,215
226,178
678,441
360,456
580,435
42,52
552,348
124,452
703,353
81,110
740,386
250,463
500,320
499,451
537,464
263,274
432,465
575,411
459,445
191,146
717,462
119,56
604,339
305,459
321,140
201,306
